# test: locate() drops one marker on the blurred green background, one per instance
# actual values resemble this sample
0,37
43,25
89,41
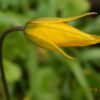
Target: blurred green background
34,73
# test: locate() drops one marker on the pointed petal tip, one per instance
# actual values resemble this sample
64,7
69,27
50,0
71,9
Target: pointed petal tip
94,13
72,58
69,57
55,20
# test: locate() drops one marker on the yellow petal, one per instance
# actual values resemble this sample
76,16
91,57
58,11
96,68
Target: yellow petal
60,34
97,38
48,45
57,20
81,43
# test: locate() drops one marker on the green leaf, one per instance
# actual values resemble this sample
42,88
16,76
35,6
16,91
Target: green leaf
77,71
12,71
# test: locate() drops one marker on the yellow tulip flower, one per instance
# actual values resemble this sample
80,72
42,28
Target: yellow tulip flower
53,33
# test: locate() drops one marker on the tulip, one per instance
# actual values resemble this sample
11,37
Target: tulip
53,33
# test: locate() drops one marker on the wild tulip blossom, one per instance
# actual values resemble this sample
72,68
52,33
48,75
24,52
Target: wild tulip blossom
53,33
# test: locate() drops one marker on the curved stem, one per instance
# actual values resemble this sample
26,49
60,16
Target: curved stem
4,34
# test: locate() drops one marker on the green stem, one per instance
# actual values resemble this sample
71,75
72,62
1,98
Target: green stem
4,34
